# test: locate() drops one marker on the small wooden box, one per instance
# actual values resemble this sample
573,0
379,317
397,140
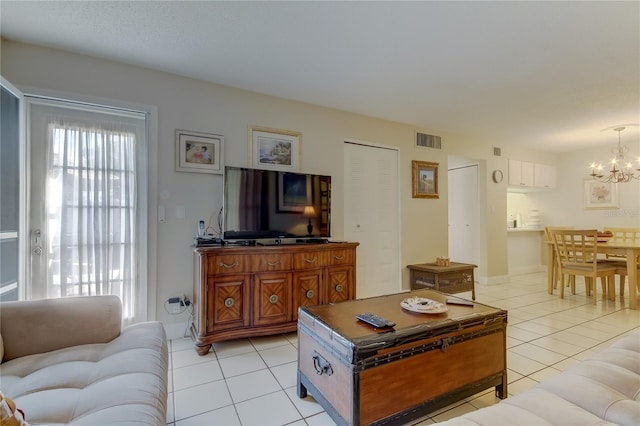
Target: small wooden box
363,375
454,278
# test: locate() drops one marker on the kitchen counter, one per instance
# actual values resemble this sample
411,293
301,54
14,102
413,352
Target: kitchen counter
526,250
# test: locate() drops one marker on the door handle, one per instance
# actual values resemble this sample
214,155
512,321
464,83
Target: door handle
37,237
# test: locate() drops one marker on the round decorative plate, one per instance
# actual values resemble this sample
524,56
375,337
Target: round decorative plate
423,305
497,176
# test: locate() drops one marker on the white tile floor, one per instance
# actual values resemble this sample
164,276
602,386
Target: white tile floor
253,381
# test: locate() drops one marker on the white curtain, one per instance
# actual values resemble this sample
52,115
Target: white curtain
91,211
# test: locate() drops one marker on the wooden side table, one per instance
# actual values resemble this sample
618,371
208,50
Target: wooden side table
455,278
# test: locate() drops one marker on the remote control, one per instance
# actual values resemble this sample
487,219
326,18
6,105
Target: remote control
375,320
455,301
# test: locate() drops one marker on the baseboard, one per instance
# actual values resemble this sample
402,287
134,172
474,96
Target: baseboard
177,330
499,279
528,270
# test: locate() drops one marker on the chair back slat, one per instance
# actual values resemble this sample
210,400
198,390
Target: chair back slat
549,229
576,247
623,234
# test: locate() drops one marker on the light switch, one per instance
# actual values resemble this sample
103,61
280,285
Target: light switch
180,212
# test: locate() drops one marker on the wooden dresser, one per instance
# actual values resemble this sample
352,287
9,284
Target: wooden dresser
256,290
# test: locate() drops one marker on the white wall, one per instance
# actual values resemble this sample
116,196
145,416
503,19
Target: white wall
575,169
565,205
184,103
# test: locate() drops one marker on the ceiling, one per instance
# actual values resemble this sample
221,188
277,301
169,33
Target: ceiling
545,75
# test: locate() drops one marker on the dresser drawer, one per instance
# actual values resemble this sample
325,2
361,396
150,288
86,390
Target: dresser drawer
230,264
340,257
270,262
309,260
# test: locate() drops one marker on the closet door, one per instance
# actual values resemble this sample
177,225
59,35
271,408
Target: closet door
372,206
464,221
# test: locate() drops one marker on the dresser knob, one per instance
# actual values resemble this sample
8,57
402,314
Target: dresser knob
229,302
273,299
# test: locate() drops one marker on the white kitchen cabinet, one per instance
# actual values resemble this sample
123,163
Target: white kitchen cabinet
544,176
525,176
521,173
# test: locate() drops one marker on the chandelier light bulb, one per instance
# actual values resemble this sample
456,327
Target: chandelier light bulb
623,174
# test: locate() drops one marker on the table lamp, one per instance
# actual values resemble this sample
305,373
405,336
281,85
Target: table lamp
309,212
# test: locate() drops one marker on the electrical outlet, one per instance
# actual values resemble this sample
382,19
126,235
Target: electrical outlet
175,308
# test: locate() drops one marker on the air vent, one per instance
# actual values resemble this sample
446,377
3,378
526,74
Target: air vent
497,151
428,141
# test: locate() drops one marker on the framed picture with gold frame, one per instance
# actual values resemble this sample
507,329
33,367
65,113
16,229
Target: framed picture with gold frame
425,179
199,152
274,149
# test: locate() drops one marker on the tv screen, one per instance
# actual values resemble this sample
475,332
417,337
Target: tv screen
261,204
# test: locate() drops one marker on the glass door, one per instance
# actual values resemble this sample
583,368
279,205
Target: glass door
12,190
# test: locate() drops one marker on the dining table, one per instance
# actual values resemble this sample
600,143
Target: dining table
625,247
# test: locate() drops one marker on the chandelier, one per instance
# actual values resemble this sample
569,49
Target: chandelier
621,170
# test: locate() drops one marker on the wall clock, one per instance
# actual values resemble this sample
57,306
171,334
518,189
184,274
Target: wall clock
497,176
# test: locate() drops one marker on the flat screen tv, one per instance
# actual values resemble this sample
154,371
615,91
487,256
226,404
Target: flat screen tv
265,204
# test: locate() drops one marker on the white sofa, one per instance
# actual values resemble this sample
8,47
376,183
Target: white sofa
602,390
69,361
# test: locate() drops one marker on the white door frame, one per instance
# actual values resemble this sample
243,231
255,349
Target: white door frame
147,305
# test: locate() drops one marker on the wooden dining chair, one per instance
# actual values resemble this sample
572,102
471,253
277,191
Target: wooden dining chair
576,250
620,260
554,262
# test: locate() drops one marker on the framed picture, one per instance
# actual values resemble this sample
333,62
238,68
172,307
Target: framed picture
198,152
294,192
425,179
275,149
600,195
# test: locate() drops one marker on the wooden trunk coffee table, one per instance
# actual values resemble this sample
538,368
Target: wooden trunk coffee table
363,375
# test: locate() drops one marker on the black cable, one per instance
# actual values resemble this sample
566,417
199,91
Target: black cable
220,222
